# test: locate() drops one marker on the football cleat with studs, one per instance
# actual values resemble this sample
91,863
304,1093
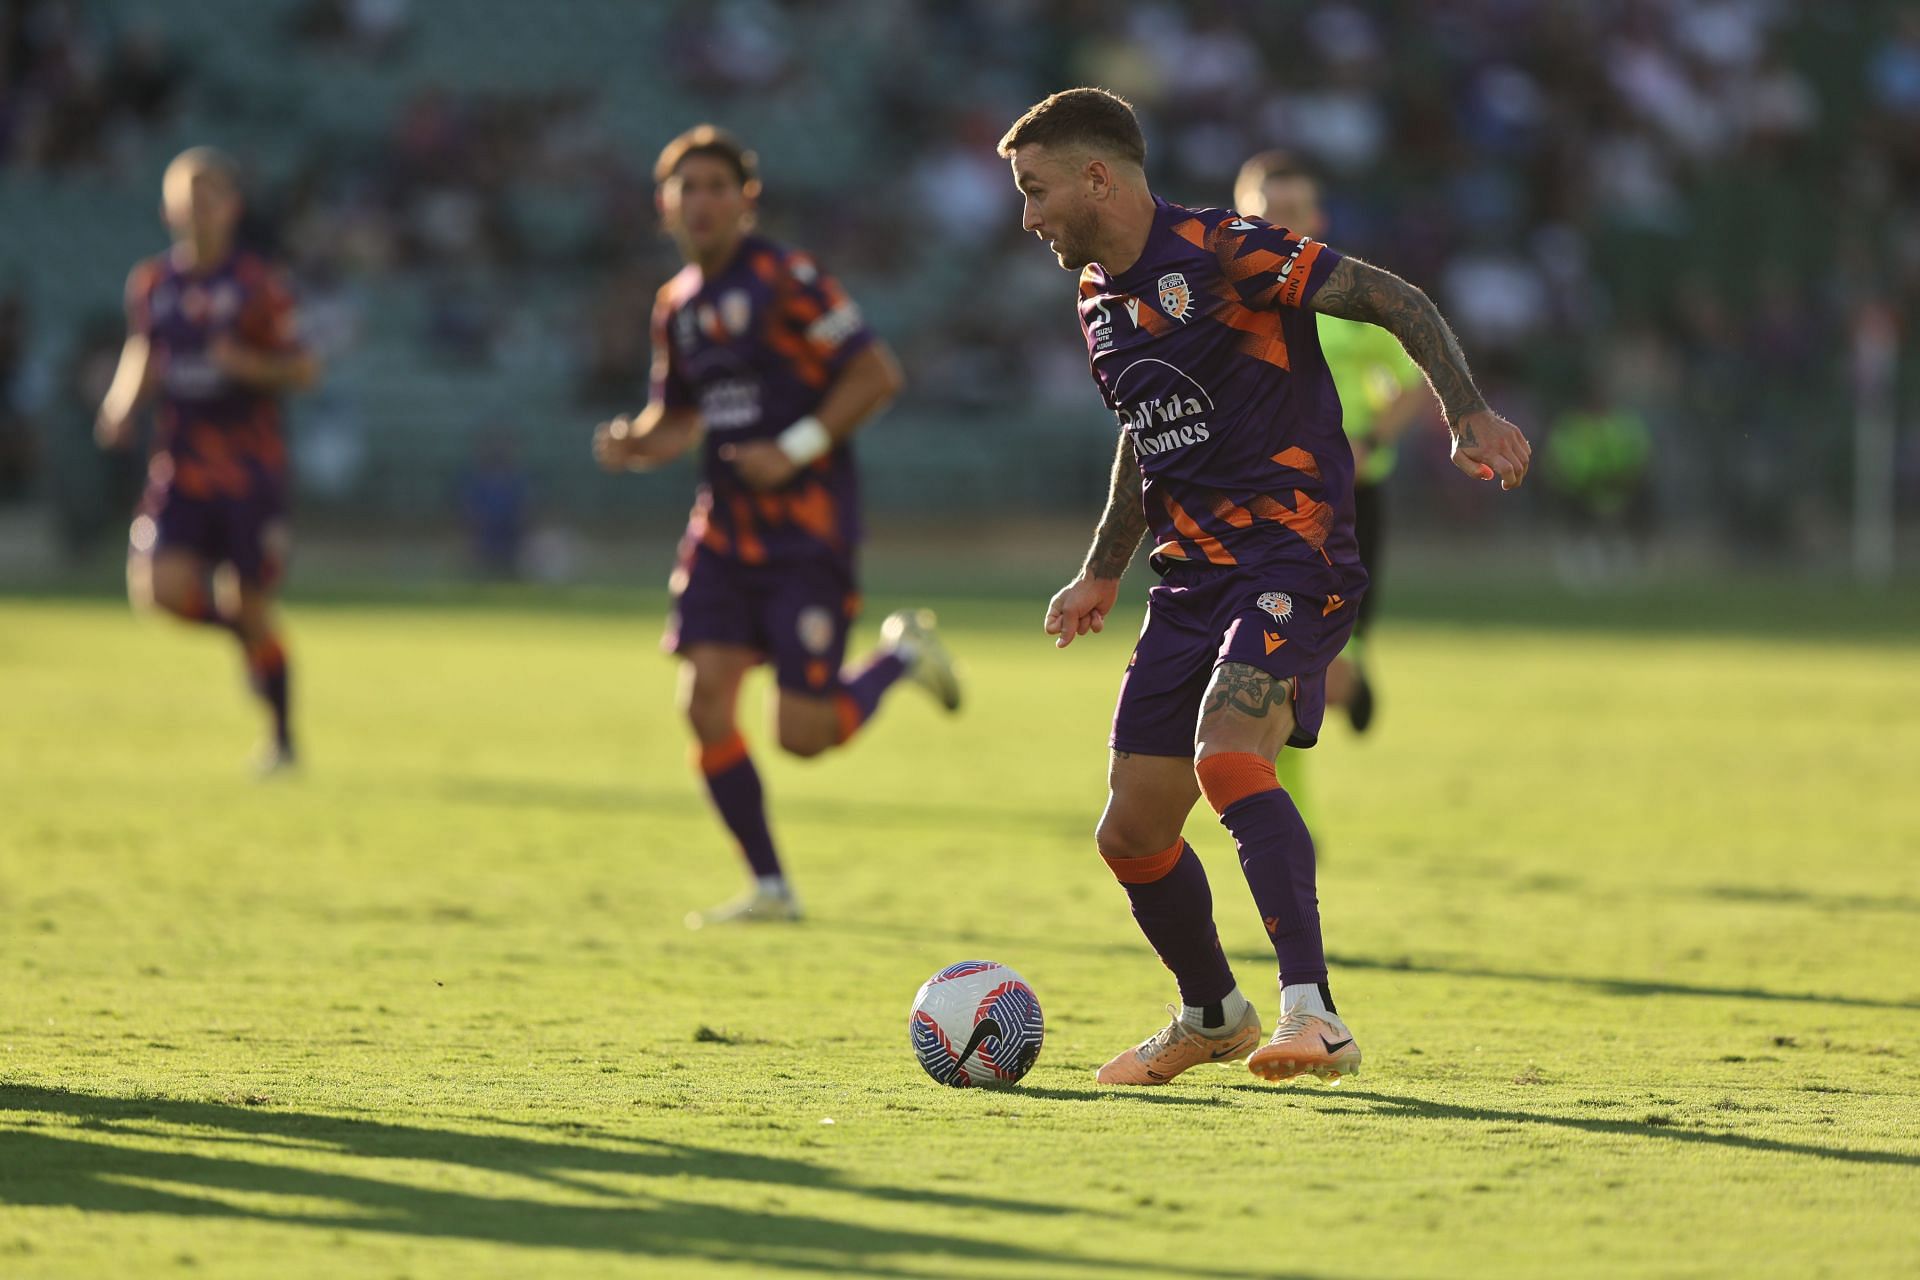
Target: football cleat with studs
1306,1043
915,635
1177,1047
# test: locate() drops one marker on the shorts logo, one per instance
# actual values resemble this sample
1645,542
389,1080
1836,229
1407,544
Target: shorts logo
1274,640
1175,298
1333,602
814,627
1278,605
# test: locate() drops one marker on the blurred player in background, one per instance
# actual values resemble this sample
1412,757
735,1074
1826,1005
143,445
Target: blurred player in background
212,336
1381,395
1200,333
764,363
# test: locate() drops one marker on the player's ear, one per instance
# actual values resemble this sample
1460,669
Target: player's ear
1099,178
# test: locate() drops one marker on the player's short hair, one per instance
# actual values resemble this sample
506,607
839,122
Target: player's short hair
208,160
1269,166
708,140
1080,117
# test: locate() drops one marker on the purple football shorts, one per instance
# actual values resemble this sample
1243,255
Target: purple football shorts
796,613
248,531
1200,616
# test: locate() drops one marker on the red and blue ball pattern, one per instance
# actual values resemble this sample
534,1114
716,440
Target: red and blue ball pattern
946,1027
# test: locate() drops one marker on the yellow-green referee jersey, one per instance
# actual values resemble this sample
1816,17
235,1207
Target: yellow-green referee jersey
1370,370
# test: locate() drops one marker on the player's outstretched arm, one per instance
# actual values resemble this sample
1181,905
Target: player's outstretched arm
867,384
132,382
651,438
1484,443
1083,604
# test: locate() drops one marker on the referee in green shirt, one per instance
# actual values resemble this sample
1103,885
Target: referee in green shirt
1381,394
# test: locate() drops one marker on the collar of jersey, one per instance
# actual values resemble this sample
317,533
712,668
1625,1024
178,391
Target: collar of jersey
1139,271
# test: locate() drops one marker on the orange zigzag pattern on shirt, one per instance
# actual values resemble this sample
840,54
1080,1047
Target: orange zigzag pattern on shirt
1313,521
1299,459
1264,337
1210,546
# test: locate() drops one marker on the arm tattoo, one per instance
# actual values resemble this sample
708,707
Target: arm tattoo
1247,690
1123,523
1356,290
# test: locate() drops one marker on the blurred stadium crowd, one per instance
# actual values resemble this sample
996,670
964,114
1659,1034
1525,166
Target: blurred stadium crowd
1657,224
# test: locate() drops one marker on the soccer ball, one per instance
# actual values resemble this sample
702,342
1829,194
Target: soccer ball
976,1022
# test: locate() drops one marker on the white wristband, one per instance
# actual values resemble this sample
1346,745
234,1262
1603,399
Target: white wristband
804,441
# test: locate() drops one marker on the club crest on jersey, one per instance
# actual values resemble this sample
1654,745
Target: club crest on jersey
1277,604
814,628
1175,298
736,309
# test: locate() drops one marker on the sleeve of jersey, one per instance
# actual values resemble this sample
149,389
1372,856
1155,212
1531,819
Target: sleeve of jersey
1270,267
668,384
815,310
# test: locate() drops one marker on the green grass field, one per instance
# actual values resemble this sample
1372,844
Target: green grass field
1627,921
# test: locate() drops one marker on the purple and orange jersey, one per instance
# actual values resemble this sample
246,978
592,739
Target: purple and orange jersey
1207,354
213,437
755,348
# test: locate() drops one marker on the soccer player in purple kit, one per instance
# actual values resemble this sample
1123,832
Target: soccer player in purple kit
1201,338
212,333
762,362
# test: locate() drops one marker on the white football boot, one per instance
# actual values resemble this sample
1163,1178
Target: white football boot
765,903
914,635
1309,1040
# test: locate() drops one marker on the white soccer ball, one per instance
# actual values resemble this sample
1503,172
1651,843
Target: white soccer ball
976,1022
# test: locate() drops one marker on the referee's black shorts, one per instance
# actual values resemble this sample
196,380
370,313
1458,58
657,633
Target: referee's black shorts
1369,519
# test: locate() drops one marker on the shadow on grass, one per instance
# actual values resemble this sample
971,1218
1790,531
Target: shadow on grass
1124,1096
1741,893
1008,944
63,1153
1395,1106
1602,986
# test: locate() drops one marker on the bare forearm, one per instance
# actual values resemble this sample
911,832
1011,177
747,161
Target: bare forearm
867,385
1123,524
658,435
132,380
1356,290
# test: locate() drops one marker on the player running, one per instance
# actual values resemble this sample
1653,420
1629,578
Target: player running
761,360
1381,395
1200,333
211,333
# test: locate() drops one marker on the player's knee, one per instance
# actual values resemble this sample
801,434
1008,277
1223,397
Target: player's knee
1117,837
709,710
166,591
804,740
